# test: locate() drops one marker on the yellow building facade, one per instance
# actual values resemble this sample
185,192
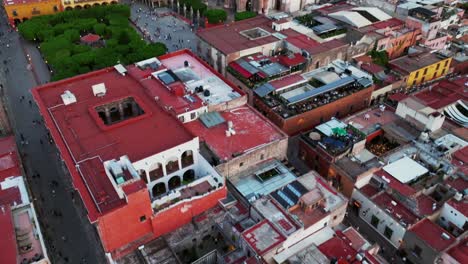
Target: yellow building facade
21,10
430,72
79,4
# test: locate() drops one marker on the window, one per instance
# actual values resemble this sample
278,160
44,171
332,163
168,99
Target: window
142,218
193,115
417,251
375,221
262,156
15,13
446,63
181,118
335,217
438,66
414,82
425,71
241,164
417,74
388,232
325,224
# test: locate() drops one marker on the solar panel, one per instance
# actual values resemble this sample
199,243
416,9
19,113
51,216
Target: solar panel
286,198
280,200
211,119
292,189
264,90
299,187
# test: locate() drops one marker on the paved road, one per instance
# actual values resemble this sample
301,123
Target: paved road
162,27
69,236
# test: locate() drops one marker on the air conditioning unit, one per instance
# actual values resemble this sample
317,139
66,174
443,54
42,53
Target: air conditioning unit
68,97
99,89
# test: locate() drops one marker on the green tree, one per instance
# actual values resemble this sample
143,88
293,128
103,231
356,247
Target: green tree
216,16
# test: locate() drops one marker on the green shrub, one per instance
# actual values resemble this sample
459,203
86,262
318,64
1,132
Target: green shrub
244,15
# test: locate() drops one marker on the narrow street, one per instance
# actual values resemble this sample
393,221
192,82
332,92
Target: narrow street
69,236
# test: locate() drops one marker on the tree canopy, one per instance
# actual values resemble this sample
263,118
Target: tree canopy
59,40
216,16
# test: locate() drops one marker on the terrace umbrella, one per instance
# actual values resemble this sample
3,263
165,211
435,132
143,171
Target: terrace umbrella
314,136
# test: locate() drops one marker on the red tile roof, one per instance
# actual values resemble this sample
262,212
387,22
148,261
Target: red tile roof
287,81
9,161
8,248
81,136
398,97
432,234
369,190
252,130
304,42
398,211
227,38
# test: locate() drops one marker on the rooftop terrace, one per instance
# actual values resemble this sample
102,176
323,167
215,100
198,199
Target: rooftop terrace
251,130
325,85
395,209
263,237
411,63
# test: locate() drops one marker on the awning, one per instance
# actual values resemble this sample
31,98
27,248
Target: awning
235,66
264,90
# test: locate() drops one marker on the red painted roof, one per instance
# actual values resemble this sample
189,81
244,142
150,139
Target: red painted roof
461,206
90,38
372,68
291,60
338,247
424,205
458,184
10,196
444,93
227,38
356,239
398,97
399,212
133,187
390,23
252,130
286,81
81,135
460,251
256,237
432,234
369,190
9,161
395,184
8,249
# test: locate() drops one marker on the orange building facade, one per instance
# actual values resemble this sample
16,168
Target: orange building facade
21,10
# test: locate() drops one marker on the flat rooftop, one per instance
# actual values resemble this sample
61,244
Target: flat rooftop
324,85
411,63
252,185
242,35
87,138
263,237
396,209
405,169
434,235
9,161
251,130
200,74
371,120
271,211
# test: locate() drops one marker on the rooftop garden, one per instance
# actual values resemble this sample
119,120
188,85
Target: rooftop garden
244,15
379,57
58,37
307,20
